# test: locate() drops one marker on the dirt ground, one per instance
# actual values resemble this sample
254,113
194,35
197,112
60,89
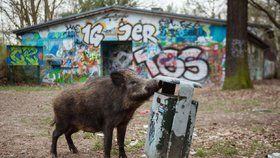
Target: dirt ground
242,123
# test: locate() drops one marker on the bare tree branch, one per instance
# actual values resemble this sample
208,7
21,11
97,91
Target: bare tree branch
23,13
9,17
278,1
269,15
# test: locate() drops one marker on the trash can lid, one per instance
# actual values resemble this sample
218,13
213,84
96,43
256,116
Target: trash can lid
178,81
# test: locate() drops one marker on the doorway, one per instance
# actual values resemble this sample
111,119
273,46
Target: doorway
116,55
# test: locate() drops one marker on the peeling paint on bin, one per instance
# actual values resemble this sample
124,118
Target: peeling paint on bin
189,133
161,119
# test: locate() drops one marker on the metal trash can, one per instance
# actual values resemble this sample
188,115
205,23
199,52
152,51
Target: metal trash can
172,120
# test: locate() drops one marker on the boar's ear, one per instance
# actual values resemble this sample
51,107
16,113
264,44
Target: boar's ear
117,78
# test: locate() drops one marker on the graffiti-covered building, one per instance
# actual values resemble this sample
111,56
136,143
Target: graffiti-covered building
150,42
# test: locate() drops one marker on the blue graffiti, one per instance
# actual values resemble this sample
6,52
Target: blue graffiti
218,33
24,55
179,32
53,42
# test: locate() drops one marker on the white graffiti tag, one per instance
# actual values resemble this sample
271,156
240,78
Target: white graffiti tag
138,32
92,34
184,63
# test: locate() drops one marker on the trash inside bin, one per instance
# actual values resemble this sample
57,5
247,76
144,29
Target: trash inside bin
172,119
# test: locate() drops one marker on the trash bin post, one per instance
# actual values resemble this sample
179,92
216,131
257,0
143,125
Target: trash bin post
172,120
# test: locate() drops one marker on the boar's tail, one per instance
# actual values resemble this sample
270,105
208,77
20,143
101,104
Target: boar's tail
53,123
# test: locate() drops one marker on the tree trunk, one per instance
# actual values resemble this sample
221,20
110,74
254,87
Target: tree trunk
237,69
277,45
47,10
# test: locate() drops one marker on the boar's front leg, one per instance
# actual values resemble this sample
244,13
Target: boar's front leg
108,135
121,136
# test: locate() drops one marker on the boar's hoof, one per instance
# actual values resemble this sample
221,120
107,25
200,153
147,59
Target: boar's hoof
54,155
122,156
74,150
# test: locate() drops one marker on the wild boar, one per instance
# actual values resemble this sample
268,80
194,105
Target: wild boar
100,105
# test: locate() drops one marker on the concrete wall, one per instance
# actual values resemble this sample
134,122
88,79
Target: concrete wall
256,62
269,69
168,47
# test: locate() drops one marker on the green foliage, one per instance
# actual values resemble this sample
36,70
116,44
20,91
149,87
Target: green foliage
224,147
277,146
140,145
254,146
114,151
201,152
87,135
98,143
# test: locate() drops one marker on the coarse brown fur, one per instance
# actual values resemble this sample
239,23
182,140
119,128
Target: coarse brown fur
100,105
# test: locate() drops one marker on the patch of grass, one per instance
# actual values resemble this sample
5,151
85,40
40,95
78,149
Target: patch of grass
201,152
98,143
87,135
216,104
226,106
25,120
114,151
29,88
277,145
140,145
47,120
246,102
258,129
254,146
207,108
223,147
253,102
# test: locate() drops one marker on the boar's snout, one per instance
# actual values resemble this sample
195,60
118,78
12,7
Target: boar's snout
153,86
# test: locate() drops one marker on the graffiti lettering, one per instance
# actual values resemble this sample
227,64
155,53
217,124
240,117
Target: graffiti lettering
182,63
75,28
138,32
140,56
24,55
93,34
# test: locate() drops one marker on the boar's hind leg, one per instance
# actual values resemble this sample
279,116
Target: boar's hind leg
59,130
121,136
69,139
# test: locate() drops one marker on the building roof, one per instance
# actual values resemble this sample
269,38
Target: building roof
103,10
258,41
